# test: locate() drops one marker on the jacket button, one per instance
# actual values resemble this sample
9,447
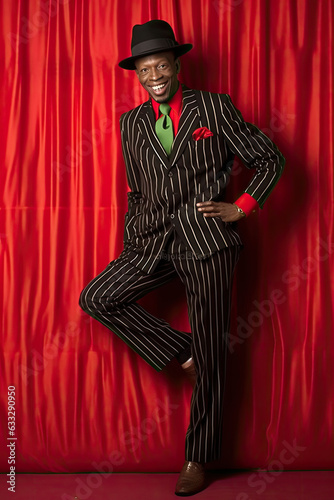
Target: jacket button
170,174
172,216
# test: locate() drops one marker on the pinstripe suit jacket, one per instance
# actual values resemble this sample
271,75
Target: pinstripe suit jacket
165,190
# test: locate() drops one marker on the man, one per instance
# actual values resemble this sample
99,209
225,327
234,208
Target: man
178,148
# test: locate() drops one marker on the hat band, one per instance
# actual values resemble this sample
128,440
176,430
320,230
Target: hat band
156,44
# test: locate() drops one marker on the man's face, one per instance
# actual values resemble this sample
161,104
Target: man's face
158,74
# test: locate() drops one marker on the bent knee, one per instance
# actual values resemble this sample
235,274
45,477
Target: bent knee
86,300
91,301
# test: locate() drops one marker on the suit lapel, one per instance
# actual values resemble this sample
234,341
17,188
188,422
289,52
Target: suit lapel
147,128
188,123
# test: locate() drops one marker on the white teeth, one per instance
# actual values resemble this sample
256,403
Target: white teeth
158,87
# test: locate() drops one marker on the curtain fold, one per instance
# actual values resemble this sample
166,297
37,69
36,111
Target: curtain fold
83,398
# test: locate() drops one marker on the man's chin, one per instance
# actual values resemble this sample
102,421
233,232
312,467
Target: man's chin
160,98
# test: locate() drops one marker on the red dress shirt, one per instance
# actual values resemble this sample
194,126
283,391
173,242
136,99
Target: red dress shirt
176,107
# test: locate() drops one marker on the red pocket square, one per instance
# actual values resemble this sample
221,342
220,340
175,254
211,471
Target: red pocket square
201,133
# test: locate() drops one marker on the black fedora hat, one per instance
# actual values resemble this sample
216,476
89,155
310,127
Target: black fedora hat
150,38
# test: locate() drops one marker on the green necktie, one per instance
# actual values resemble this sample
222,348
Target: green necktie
164,128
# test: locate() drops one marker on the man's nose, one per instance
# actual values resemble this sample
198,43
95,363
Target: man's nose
155,75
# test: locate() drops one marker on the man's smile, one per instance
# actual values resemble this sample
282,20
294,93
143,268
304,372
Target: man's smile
158,89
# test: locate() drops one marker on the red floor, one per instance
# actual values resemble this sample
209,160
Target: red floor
297,485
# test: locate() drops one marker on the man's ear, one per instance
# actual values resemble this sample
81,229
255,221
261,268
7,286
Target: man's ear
178,65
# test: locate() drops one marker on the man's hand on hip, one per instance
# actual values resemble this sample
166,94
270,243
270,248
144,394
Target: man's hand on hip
228,212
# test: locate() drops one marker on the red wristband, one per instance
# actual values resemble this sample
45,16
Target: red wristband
247,203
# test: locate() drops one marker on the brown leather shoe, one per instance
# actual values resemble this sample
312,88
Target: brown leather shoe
191,479
191,373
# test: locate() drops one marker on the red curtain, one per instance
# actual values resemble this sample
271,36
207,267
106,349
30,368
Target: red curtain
82,396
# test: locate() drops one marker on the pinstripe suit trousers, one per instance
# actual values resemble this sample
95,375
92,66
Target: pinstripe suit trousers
111,299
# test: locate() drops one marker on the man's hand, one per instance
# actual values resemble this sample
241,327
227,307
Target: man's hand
228,212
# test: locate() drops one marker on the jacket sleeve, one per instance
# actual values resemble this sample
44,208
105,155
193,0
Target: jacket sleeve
254,148
134,196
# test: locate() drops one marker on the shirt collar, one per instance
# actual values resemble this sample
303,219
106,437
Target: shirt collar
175,103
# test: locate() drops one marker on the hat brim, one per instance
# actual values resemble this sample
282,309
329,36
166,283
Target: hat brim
179,50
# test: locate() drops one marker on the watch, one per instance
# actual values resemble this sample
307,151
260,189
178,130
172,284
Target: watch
240,210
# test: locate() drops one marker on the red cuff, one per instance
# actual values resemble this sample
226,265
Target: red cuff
247,203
